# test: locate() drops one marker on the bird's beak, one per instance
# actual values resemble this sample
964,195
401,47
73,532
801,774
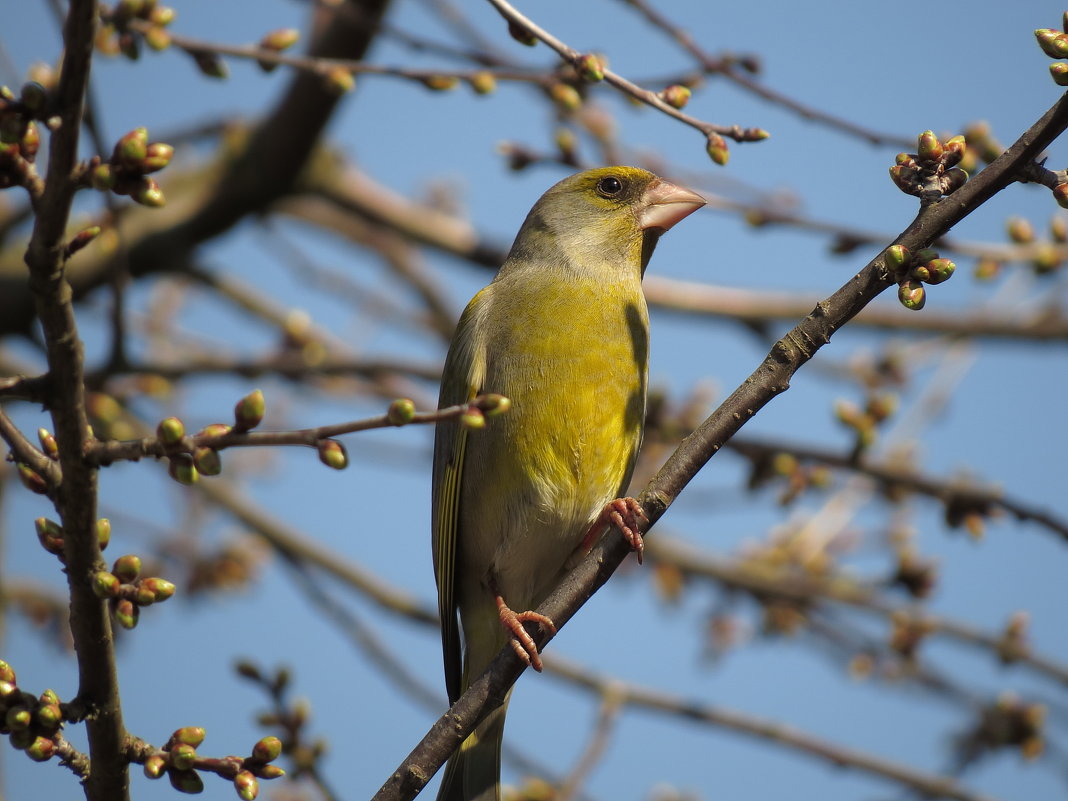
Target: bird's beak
663,204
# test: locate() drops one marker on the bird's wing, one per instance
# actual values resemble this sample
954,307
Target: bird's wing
462,380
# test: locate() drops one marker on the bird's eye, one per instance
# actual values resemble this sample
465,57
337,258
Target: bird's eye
609,186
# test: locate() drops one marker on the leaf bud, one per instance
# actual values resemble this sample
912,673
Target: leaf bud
211,65
148,193
676,95
247,786
160,589
207,461
928,147
157,156
493,404
276,41
897,258
940,270
50,535
126,613
34,97
332,454
131,149
440,83
188,735
591,67
186,781
1020,230
953,180
956,148
925,255
76,243
41,749
102,178
1058,70
521,34
7,674
1053,42
270,772
180,467
49,716
472,418
170,431
339,81
18,718
105,584
401,411
912,295
249,411
127,568
162,16
565,96
183,756
157,38
267,749
48,443
30,479
716,147
155,766
30,142
483,83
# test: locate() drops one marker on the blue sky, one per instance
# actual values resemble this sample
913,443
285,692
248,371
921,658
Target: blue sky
900,68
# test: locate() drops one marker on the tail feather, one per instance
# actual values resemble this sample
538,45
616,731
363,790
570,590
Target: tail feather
473,773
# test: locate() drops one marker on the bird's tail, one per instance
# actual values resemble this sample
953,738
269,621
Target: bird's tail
473,772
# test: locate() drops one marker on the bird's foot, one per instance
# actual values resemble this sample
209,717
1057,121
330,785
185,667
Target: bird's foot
624,514
522,642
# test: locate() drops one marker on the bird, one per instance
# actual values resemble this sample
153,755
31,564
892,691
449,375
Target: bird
562,332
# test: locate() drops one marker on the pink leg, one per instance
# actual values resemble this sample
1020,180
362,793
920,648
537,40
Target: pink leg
623,513
522,642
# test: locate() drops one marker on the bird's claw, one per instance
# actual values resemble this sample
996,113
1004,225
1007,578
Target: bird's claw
522,642
626,515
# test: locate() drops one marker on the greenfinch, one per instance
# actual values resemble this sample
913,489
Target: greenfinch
562,331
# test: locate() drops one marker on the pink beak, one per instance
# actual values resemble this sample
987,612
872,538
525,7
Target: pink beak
664,204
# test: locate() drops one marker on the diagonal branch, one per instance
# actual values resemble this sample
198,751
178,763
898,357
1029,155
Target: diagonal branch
770,379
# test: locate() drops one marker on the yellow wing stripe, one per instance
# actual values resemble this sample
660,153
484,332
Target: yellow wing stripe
448,525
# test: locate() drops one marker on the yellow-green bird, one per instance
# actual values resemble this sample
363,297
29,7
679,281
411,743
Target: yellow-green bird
563,332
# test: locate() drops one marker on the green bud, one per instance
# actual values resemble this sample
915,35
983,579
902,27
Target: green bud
7,673
940,270
676,95
180,467
483,83
160,589
247,786
904,178
472,418
188,735
207,461
143,597
440,83
987,269
30,479
339,81
131,149
1053,42
928,147
716,147
183,755
897,258
591,67
912,295
21,739
49,697
211,65
1020,230
925,255
332,454
127,568
270,772
157,156
50,535
494,404
155,766
170,431
102,178
148,193
267,749
41,750
955,150
105,584
401,411
281,39
186,781
18,718
1058,70
103,532
249,411
48,442
76,243
521,34
30,142
919,273
7,688
49,716
565,96
157,38
162,16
